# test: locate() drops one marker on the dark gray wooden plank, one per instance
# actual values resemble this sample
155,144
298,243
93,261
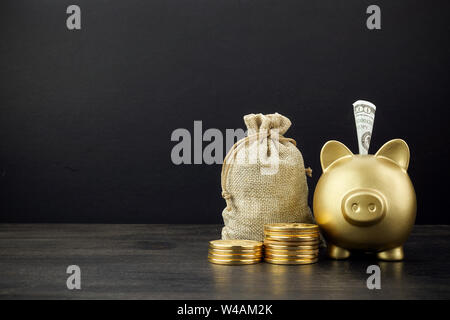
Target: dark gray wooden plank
169,262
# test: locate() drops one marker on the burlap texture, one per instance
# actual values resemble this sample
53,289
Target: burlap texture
263,179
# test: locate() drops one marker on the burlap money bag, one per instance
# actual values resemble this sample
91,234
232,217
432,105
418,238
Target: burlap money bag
263,179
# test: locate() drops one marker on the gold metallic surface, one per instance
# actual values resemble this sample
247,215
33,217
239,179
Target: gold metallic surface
277,246
294,227
290,252
233,262
234,256
365,202
271,255
241,258
291,243
291,238
278,251
235,244
236,251
293,261
292,233
394,254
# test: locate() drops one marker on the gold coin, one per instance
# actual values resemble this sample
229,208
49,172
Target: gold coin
219,251
291,261
272,255
292,238
234,256
292,231
242,252
296,246
234,248
235,244
296,227
233,262
292,234
289,252
290,246
311,235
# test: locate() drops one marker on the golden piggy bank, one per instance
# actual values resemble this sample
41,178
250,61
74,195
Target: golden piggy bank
365,202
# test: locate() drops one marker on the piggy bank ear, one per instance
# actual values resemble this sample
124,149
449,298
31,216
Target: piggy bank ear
396,150
331,151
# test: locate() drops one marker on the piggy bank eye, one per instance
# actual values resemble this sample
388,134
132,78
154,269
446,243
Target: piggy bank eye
355,207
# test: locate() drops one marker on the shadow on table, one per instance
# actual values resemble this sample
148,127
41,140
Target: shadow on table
327,279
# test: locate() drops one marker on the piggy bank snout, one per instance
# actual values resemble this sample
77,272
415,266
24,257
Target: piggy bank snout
363,207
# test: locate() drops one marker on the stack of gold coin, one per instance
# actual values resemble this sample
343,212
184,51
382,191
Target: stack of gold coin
235,252
291,243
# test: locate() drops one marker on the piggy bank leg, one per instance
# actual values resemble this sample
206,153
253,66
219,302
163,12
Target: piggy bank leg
395,254
336,252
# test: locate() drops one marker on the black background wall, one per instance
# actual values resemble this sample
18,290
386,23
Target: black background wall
86,116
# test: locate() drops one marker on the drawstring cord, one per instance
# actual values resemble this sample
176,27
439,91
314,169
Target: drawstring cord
308,172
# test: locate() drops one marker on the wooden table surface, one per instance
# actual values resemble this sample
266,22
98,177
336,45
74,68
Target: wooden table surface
170,262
